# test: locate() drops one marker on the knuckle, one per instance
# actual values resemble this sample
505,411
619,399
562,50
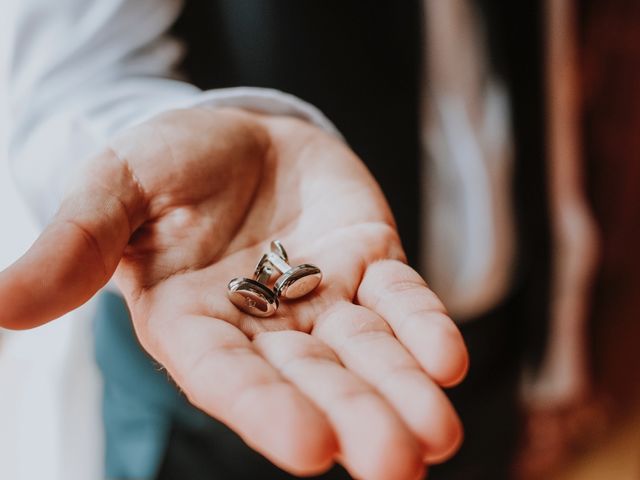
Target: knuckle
439,323
408,285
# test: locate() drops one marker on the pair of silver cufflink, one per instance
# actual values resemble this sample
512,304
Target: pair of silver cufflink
253,295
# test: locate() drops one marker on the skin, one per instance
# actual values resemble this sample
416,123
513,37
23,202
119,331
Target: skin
178,206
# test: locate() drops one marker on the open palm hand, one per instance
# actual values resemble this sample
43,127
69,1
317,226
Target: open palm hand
180,205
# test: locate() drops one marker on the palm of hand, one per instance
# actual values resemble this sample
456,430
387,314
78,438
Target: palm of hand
350,371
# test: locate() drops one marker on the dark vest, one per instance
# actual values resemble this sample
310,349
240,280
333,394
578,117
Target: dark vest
358,64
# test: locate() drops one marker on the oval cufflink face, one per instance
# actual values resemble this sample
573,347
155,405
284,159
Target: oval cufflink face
252,297
298,282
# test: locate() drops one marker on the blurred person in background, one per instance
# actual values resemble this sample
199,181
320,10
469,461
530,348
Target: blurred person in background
443,101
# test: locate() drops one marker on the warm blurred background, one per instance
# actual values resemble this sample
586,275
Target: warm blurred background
586,432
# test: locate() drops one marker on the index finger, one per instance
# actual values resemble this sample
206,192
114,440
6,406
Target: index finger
417,317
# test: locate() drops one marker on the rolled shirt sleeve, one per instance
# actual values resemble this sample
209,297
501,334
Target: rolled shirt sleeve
79,71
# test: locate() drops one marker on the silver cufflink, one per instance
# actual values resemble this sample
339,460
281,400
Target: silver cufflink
254,297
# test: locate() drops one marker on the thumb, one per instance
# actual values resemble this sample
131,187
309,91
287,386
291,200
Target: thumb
78,251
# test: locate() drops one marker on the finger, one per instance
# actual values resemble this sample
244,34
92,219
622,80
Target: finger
374,443
364,343
397,293
78,252
221,373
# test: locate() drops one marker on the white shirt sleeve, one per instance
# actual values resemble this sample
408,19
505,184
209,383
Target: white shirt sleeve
81,70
